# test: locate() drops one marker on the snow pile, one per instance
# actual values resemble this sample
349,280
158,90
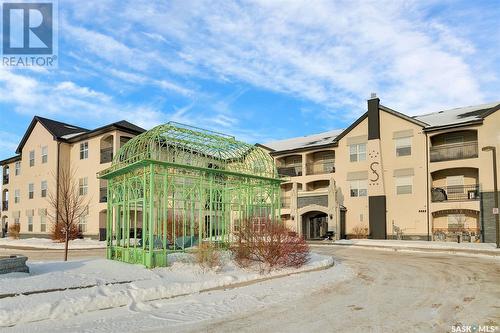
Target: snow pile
45,243
181,278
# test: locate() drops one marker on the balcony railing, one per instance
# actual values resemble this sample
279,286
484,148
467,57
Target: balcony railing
285,202
103,194
106,155
455,193
316,168
5,205
5,179
455,151
290,171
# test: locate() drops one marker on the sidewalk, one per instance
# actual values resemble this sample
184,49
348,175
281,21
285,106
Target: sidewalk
474,249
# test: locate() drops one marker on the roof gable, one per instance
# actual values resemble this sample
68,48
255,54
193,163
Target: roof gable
56,128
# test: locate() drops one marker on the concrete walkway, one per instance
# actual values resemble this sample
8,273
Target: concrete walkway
472,249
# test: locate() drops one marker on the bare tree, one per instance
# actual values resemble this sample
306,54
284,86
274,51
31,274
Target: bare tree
67,205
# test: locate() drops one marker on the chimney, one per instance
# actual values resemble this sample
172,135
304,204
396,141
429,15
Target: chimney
373,117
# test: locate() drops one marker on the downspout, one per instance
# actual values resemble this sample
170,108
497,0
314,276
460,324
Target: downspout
57,180
428,187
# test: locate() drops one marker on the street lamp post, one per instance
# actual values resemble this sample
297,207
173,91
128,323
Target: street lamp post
495,189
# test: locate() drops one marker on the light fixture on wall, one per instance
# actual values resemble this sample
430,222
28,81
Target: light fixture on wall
331,216
293,217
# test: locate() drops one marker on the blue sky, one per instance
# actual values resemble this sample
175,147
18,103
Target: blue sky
260,70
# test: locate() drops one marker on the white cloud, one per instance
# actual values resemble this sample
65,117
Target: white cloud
333,54
71,102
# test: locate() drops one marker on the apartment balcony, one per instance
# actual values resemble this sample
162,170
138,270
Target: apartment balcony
5,179
5,205
103,194
455,193
285,202
318,168
290,171
106,155
455,151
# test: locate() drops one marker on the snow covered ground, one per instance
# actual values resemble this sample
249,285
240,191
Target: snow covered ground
366,291
138,285
420,244
45,243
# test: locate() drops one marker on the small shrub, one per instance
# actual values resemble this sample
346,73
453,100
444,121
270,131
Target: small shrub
57,232
14,230
359,232
207,256
270,245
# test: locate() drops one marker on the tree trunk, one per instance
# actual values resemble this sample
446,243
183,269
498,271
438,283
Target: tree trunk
66,246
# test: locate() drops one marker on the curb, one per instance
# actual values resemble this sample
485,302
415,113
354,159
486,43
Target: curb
464,252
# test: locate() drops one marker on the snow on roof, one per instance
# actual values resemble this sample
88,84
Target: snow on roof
69,136
440,118
304,141
456,116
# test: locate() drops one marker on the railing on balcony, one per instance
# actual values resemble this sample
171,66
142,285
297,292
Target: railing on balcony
5,179
316,168
455,193
106,155
285,202
455,151
103,194
5,205
290,171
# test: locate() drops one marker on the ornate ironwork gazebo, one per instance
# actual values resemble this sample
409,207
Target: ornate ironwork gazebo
176,185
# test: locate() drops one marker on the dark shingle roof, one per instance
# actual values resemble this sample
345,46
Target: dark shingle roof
59,129
130,126
71,133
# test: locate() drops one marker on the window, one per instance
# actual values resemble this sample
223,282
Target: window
83,186
82,221
31,190
84,150
455,184
32,158
17,170
359,188
44,154
17,196
403,146
29,214
43,220
357,152
43,187
404,185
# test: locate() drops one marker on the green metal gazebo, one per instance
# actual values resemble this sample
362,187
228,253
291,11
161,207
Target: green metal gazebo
175,186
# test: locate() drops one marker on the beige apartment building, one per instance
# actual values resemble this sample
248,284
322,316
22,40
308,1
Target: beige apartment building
46,147
421,177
